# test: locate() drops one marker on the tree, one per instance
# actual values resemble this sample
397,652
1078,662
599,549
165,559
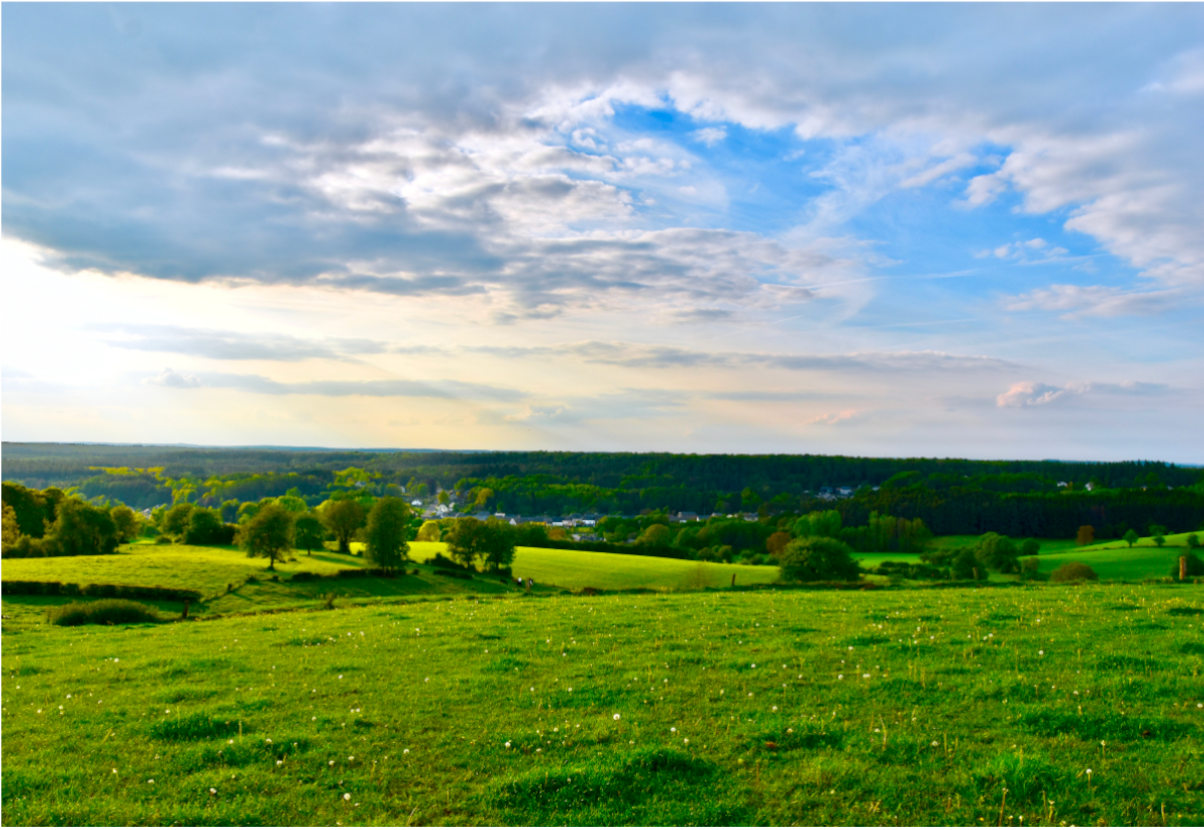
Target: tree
776,542
83,529
1131,536
815,558
1030,547
499,544
175,520
430,531
966,565
12,529
1086,535
1159,540
388,526
466,541
205,527
998,552
308,532
343,517
126,523
1157,530
1192,541
269,533
656,535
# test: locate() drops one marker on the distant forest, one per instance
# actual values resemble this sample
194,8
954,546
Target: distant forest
1018,498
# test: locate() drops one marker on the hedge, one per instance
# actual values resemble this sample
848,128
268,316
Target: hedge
70,589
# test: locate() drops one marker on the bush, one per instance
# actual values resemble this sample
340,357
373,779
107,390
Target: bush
815,559
1073,572
69,589
103,612
458,574
1195,566
163,540
305,576
1029,568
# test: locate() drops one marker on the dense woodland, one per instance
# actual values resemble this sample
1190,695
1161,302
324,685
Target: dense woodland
891,503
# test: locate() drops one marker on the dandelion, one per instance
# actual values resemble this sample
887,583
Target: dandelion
507,744
350,757
936,743
332,763
346,796
865,677
340,677
617,716
150,780
114,770
279,762
840,677
672,728
212,791
1041,653
775,708
754,665
267,740
405,752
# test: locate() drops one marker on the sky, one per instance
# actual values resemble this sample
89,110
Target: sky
888,230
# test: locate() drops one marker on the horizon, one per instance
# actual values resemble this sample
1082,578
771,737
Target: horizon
955,231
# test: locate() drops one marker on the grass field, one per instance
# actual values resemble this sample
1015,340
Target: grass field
1030,705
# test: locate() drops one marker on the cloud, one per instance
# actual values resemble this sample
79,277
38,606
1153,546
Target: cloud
710,135
833,418
443,389
1098,301
174,380
499,168
1029,394
228,345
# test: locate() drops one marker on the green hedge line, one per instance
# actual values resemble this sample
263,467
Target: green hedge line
70,589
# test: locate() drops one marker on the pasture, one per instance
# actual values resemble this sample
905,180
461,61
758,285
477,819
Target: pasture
1029,705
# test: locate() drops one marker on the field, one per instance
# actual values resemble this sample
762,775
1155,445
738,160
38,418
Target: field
428,699
1057,704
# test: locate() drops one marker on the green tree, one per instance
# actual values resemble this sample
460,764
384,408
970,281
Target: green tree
230,511
308,532
269,534
126,523
815,558
1157,530
998,553
385,534
500,537
1159,540
656,535
175,520
11,527
430,531
491,541
1131,536
1030,547
205,527
82,529
292,503
966,565
343,517
1192,541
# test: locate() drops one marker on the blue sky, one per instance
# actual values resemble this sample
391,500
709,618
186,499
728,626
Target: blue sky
965,230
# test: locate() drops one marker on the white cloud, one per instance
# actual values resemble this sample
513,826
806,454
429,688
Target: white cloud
174,380
1098,301
710,136
1028,393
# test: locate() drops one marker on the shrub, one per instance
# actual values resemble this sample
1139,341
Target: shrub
1195,566
163,540
103,612
815,558
1085,536
305,576
1029,568
1073,572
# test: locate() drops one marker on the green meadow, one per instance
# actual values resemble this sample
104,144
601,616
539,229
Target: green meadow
1027,705
429,699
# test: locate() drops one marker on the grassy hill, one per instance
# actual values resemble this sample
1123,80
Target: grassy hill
1062,704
